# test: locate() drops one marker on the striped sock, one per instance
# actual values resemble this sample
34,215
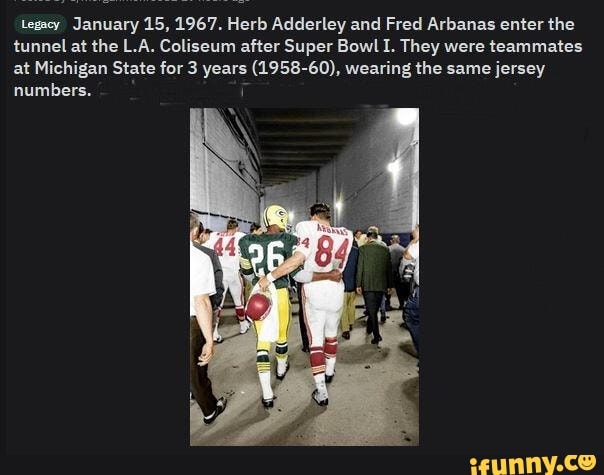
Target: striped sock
317,360
263,363
331,348
281,354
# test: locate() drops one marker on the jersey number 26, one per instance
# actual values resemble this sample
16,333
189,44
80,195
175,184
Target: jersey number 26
273,260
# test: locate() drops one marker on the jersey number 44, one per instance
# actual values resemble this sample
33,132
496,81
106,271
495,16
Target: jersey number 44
228,250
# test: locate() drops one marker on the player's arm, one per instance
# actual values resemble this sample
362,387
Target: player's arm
245,265
300,252
304,276
289,265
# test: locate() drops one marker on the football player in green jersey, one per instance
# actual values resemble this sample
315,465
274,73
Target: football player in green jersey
260,254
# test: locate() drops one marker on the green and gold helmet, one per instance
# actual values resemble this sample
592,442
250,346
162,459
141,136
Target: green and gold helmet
276,215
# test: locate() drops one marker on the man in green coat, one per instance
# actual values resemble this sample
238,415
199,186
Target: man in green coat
374,279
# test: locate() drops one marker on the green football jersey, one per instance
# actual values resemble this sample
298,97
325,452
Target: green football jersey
262,253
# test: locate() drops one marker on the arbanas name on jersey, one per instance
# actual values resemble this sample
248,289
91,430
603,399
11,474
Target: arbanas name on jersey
227,247
326,248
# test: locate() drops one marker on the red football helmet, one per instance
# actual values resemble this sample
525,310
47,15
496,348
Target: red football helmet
258,306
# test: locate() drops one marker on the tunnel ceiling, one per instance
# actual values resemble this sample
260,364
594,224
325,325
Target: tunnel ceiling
296,142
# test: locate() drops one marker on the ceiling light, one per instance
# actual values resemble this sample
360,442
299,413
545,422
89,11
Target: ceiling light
406,116
393,167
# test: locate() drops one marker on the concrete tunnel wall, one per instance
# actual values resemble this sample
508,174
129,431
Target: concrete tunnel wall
369,193
216,190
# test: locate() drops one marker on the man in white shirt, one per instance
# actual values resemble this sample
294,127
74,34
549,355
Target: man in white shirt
201,286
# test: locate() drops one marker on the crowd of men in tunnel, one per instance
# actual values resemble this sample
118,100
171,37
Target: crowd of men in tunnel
327,267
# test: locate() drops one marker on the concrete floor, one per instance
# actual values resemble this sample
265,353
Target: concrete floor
373,398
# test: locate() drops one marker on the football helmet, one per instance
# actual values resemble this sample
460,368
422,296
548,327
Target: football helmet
275,214
258,306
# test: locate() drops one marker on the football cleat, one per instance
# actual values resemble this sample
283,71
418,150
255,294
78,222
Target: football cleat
268,403
320,402
281,376
244,326
217,338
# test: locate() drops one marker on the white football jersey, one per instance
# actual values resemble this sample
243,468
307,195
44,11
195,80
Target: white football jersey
227,247
326,248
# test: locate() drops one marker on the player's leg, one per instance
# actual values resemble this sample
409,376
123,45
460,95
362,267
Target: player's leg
215,320
236,289
315,321
330,348
332,320
315,325
247,290
284,321
263,365
216,315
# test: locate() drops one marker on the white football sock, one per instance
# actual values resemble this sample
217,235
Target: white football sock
330,366
321,387
281,365
265,382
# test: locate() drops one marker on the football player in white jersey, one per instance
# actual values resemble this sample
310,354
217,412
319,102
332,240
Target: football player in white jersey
321,248
226,245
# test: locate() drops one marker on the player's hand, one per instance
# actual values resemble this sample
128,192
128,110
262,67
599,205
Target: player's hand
263,283
335,275
207,351
359,290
